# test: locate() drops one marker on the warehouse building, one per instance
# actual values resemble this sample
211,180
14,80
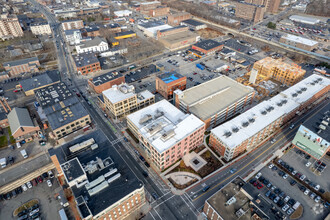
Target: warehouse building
313,136
248,130
167,83
86,63
106,81
215,101
299,42
63,110
165,133
207,46
17,67
121,100
102,185
304,19
177,37
193,24
176,18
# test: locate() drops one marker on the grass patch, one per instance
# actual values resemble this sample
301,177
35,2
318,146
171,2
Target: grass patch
26,205
3,141
298,213
132,136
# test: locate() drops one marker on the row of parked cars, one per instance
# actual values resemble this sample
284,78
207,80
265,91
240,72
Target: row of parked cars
318,165
30,213
29,185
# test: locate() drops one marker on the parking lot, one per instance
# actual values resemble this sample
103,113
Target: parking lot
48,205
283,190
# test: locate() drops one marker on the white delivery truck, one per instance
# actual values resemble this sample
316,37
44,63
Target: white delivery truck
3,162
24,154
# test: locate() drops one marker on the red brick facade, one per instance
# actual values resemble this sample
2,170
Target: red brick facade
167,89
91,68
107,85
175,19
213,50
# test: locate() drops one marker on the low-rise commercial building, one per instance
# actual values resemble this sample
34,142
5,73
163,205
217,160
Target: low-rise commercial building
86,63
207,46
64,112
21,125
175,19
165,133
97,44
16,67
72,24
249,11
102,185
299,42
121,100
193,24
313,136
106,81
124,35
167,83
73,37
123,13
248,130
48,78
215,101
304,19
145,7
92,31
10,26
269,68
41,28
158,11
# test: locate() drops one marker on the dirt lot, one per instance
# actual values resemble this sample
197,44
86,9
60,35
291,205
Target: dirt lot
209,33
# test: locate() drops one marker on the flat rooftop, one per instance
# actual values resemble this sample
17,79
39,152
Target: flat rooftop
192,22
20,62
101,79
59,105
249,123
207,44
163,125
124,33
99,165
299,39
150,24
211,97
304,19
85,59
38,81
170,77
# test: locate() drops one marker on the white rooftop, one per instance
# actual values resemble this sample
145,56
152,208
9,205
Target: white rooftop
304,19
149,3
119,92
301,40
122,12
158,28
163,125
257,118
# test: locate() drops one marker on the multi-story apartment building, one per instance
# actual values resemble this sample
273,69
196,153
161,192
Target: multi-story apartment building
9,26
106,81
270,5
64,112
29,65
97,44
102,185
249,11
73,36
299,42
121,100
41,28
167,83
287,74
248,130
215,101
175,19
165,133
72,24
86,63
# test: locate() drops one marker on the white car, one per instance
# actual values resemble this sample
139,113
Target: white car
24,187
50,174
286,199
49,183
317,187
290,211
294,172
317,199
29,185
306,192
302,177
258,175
286,207
308,164
34,212
285,176
273,141
271,166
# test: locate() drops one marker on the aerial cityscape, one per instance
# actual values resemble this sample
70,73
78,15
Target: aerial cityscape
164,110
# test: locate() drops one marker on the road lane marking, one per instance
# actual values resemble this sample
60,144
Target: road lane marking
152,215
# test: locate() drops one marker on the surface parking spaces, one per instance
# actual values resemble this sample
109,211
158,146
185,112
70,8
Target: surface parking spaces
286,193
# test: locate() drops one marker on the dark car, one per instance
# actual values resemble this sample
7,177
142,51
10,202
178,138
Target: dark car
34,182
19,190
8,196
280,203
154,195
39,179
307,157
14,194
45,175
22,213
142,158
145,174
206,188
293,182
35,206
35,215
291,202
147,164
252,181
267,194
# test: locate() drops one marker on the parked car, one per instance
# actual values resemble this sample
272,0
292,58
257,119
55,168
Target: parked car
34,182
308,164
270,166
285,176
147,164
39,179
29,185
258,176
33,212
49,183
24,187
290,211
276,199
50,173
285,207
154,195
286,199
317,187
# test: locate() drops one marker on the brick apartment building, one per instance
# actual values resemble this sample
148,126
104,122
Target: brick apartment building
175,19
10,26
215,101
106,81
29,65
86,63
158,11
41,28
146,6
72,24
22,126
249,11
91,31
165,133
207,46
248,130
167,83
270,5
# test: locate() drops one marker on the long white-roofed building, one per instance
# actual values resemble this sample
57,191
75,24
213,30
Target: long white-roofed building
165,133
250,129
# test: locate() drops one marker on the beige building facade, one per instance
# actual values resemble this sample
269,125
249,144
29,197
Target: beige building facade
10,27
41,29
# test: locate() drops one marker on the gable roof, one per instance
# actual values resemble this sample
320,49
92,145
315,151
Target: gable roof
19,117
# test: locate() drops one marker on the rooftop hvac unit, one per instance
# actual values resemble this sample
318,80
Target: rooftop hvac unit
299,91
264,112
251,120
168,134
303,89
245,124
322,127
95,182
112,171
313,84
270,108
145,118
98,188
235,129
114,178
227,134
240,213
232,200
155,128
294,95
